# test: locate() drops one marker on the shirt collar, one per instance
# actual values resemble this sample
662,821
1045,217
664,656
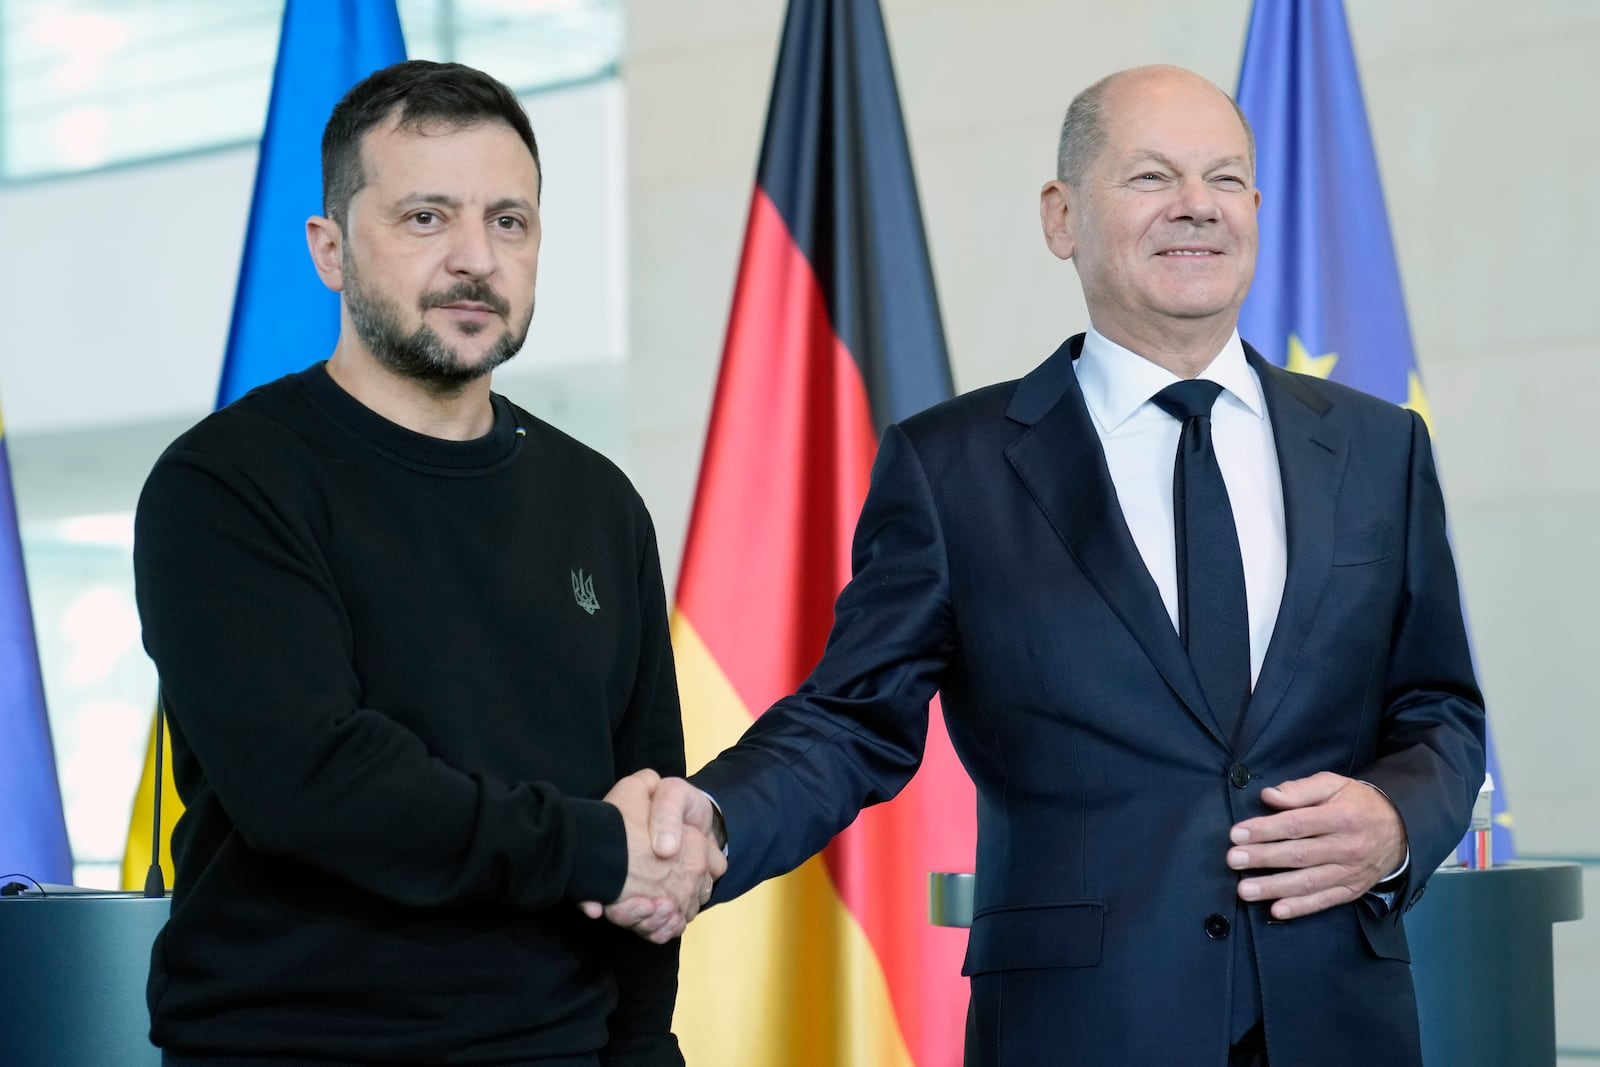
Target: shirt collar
1116,381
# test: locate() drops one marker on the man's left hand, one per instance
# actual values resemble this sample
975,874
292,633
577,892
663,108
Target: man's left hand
1332,839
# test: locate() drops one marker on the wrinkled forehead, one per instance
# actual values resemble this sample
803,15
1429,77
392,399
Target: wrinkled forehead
1179,117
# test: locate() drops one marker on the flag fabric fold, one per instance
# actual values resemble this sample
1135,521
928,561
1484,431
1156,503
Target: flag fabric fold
33,830
834,333
283,317
1326,298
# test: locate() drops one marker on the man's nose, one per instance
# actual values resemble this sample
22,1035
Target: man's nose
1196,201
470,254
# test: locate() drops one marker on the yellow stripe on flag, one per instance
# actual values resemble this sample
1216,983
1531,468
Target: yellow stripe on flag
784,976
136,859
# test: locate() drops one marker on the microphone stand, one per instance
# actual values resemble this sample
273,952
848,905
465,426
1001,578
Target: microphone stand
155,884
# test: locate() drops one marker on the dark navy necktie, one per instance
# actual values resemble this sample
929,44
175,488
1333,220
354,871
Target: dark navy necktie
1213,619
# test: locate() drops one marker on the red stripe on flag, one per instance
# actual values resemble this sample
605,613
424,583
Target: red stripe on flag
881,866
786,465
787,462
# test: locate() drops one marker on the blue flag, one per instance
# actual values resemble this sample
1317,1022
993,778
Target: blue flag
284,318
33,833
1326,298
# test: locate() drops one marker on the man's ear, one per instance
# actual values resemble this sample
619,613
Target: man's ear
326,241
1057,219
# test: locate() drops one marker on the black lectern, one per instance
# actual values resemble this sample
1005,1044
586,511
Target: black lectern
1480,955
1483,964
75,964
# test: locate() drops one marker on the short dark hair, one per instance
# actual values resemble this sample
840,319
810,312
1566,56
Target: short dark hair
1083,131
423,93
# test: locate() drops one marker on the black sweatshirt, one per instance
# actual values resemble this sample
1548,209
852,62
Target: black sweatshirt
400,672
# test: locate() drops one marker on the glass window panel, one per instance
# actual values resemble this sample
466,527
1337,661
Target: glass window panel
99,685
92,83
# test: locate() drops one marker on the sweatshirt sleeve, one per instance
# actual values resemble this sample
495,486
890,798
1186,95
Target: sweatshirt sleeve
650,735
255,655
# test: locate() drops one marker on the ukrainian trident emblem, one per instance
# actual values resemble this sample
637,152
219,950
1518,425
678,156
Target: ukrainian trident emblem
583,592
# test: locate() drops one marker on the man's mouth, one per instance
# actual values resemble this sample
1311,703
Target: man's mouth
469,298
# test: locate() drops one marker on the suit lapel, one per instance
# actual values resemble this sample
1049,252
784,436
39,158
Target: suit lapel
1312,451
1060,461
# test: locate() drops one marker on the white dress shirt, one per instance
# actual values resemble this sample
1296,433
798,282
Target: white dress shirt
1141,442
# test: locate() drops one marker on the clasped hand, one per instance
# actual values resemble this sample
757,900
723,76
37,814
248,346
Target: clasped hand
1332,839
673,856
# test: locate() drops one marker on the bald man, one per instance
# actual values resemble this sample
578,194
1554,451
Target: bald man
1195,626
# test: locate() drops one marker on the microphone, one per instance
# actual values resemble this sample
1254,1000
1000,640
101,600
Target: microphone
155,884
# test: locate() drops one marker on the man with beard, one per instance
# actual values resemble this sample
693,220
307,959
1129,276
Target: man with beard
408,637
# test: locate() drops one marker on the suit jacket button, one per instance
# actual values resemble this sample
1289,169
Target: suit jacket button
1239,775
1217,927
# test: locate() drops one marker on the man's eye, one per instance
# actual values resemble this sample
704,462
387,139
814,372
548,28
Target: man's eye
425,218
508,222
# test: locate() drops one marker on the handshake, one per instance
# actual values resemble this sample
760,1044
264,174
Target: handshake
675,843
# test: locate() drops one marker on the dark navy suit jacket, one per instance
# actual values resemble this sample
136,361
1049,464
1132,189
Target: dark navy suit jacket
992,564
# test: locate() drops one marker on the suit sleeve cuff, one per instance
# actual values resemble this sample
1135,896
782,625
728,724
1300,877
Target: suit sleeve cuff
1388,887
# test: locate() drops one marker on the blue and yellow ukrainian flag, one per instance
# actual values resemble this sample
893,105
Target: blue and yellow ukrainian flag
284,319
33,832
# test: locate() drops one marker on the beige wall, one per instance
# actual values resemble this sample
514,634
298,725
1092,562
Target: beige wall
1483,113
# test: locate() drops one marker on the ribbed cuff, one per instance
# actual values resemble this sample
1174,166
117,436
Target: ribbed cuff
600,865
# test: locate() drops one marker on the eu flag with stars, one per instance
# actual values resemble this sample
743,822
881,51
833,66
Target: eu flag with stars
1326,298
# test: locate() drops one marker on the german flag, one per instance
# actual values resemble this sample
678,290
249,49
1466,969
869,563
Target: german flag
834,334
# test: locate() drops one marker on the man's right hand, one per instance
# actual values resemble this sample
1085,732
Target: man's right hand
673,858
676,805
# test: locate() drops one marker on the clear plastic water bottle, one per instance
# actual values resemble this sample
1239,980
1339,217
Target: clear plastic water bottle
1482,826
